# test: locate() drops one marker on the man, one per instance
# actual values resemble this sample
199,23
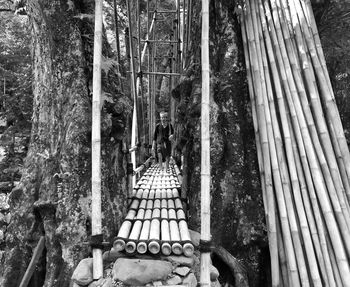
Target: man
163,135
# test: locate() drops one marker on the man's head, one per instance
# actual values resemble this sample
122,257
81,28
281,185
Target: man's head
163,118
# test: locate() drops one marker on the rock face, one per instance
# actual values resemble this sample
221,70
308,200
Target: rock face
140,271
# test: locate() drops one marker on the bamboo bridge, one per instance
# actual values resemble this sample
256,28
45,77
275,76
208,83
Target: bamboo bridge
303,155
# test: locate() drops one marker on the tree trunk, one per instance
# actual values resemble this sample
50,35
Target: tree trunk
54,195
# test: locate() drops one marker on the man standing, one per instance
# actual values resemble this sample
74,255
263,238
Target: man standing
163,135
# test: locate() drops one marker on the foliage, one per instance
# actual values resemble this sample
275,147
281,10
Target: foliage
15,69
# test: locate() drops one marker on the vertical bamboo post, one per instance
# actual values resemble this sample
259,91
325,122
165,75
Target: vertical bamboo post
96,213
134,89
116,31
149,110
183,33
205,145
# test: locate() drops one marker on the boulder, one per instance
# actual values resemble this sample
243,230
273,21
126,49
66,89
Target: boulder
157,283
195,237
175,280
180,260
103,282
190,280
82,275
215,283
182,271
214,273
112,255
140,271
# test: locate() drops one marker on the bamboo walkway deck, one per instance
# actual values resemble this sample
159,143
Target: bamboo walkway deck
155,222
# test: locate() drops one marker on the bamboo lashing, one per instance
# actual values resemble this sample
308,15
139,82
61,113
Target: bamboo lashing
303,156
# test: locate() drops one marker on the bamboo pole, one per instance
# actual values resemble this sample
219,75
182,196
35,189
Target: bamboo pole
123,233
175,237
142,245
327,159
32,264
166,247
134,130
289,150
130,247
266,129
187,247
307,145
279,167
153,245
96,213
264,166
328,213
116,31
327,94
205,145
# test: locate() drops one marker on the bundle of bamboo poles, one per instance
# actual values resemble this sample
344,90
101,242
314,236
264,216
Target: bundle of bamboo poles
303,156
155,221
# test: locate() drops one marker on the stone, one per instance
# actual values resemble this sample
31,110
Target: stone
8,217
140,271
190,280
82,275
2,219
3,202
157,283
112,255
214,273
103,282
75,285
182,271
215,283
175,280
195,237
2,236
180,260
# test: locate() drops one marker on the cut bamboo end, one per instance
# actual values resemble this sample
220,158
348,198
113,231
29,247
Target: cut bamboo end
142,247
166,249
176,248
154,247
188,249
119,245
130,247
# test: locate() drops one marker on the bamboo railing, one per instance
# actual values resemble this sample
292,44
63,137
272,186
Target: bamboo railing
302,151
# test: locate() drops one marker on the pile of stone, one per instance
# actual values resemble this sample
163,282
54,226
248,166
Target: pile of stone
145,270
